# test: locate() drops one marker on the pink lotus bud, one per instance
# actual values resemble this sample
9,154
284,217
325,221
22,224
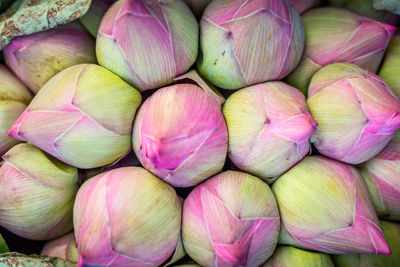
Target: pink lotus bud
230,220
382,176
63,247
339,35
148,42
325,206
356,112
83,117
37,57
180,133
37,193
91,20
365,7
392,233
14,98
248,42
390,68
303,5
198,6
269,128
286,256
127,217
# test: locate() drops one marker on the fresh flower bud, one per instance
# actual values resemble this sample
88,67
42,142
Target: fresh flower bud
230,220
325,206
14,98
356,112
127,217
180,133
286,256
382,176
390,69
365,7
268,127
82,116
148,42
248,42
37,57
37,193
392,233
63,247
303,5
91,20
339,35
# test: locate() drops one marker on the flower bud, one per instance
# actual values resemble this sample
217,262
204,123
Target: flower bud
286,256
147,42
180,133
248,42
135,215
392,233
268,127
83,117
365,7
198,6
325,206
37,193
37,57
382,176
91,20
230,220
390,69
14,98
303,5
63,247
339,35
356,112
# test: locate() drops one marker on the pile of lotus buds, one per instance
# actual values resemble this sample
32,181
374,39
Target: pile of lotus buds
200,133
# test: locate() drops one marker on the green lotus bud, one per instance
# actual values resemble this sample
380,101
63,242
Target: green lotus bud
14,98
392,234
382,176
390,69
63,247
286,256
82,116
325,206
37,193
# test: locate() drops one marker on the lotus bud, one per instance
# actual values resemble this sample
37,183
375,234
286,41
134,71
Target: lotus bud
382,176
198,6
286,256
91,20
37,193
248,42
14,98
390,69
356,112
230,220
269,128
147,42
63,247
392,233
339,35
180,133
365,7
303,5
325,206
135,215
83,117
38,57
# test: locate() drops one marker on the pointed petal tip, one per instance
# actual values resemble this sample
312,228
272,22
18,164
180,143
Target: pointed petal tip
13,131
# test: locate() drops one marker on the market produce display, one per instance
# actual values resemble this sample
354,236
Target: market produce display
221,133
